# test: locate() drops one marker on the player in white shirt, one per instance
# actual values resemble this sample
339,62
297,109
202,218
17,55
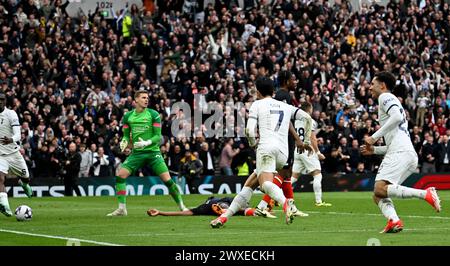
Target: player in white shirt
272,118
283,178
400,159
309,164
11,161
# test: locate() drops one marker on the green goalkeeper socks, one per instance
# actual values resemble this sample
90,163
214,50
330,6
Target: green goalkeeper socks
121,189
175,193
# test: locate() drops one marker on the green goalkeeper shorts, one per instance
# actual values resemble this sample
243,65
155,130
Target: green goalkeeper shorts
154,160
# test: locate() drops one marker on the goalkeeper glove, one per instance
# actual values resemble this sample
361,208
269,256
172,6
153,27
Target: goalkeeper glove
123,145
142,143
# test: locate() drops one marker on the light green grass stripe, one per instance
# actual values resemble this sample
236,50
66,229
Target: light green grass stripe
372,214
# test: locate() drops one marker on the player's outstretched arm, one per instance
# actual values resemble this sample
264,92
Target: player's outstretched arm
155,212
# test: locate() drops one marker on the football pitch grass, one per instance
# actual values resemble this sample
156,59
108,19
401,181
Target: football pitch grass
352,220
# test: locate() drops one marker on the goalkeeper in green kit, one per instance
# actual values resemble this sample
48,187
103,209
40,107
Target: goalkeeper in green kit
143,125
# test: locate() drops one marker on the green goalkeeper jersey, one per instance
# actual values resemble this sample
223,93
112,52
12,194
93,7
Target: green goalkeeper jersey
145,125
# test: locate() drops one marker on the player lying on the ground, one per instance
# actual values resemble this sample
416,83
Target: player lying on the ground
212,206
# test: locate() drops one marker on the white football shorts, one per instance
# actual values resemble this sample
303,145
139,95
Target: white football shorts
269,160
397,166
305,164
14,164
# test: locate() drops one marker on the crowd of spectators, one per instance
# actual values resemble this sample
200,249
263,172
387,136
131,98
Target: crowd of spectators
71,79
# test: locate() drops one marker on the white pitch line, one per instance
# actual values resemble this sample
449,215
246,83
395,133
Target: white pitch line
59,237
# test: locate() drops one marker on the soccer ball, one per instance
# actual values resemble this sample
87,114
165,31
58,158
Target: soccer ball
23,213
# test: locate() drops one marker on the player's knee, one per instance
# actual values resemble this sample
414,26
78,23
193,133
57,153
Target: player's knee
315,172
123,175
265,186
165,176
2,178
380,190
377,193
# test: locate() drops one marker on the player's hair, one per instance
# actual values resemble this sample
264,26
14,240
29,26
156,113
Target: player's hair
305,106
139,92
284,77
264,86
387,78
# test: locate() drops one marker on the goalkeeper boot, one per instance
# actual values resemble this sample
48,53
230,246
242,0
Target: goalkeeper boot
182,207
118,212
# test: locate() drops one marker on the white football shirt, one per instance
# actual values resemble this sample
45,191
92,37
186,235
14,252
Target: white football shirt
300,126
8,120
273,118
396,139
